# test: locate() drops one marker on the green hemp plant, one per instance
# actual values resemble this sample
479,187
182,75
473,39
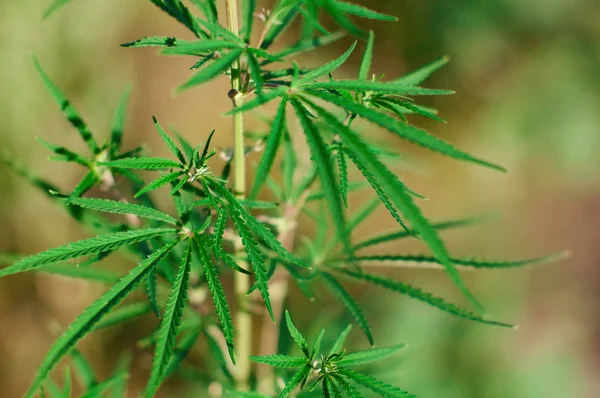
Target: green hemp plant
221,230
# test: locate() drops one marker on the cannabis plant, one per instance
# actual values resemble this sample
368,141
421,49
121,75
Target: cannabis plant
223,228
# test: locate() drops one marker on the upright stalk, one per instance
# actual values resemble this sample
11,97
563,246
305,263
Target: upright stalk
243,317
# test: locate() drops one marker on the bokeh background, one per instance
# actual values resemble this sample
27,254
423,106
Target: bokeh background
526,74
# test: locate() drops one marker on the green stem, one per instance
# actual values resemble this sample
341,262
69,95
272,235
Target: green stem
243,317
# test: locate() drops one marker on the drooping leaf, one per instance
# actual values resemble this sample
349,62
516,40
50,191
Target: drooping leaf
374,354
351,305
271,147
117,207
213,69
92,315
169,327
420,295
95,245
280,361
69,110
218,295
142,163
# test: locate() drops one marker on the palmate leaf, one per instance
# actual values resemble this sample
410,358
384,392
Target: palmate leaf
378,387
280,361
95,245
113,206
324,168
213,69
397,193
374,354
396,235
159,182
420,295
296,334
431,262
93,314
271,147
70,112
351,305
405,131
142,163
156,41
218,294
376,87
326,69
169,327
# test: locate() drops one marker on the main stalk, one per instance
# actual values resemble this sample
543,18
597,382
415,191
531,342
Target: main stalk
243,317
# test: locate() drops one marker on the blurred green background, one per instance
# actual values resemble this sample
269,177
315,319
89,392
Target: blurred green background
526,74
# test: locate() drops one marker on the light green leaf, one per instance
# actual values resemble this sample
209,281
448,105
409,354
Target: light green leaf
199,48
90,179
280,361
343,171
169,327
156,41
95,245
362,12
117,207
311,44
296,334
351,305
365,62
271,147
125,313
325,69
118,124
298,379
159,182
376,87
339,342
213,69
56,5
374,354
142,163
93,314
421,74
377,386
169,142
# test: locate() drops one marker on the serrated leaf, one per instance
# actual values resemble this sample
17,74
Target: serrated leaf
182,351
351,305
90,179
218,294
405,131
374,354
169,327
92,315
377,386
219,230
271,147
159,182
350,390
391,88
362,12
367,58
156,41
213,69
280,361
298,379
329,184
343,172
142,163
339,342
398,194
326,69
417,261
392,236
117,207
199,48
125,313
169,142
118,124
95,245
151,286
420,295
69,110
296,334
418,76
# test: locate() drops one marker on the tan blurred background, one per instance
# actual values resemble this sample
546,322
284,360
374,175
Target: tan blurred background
528,93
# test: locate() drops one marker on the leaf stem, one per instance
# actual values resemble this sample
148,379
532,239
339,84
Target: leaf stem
243,317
